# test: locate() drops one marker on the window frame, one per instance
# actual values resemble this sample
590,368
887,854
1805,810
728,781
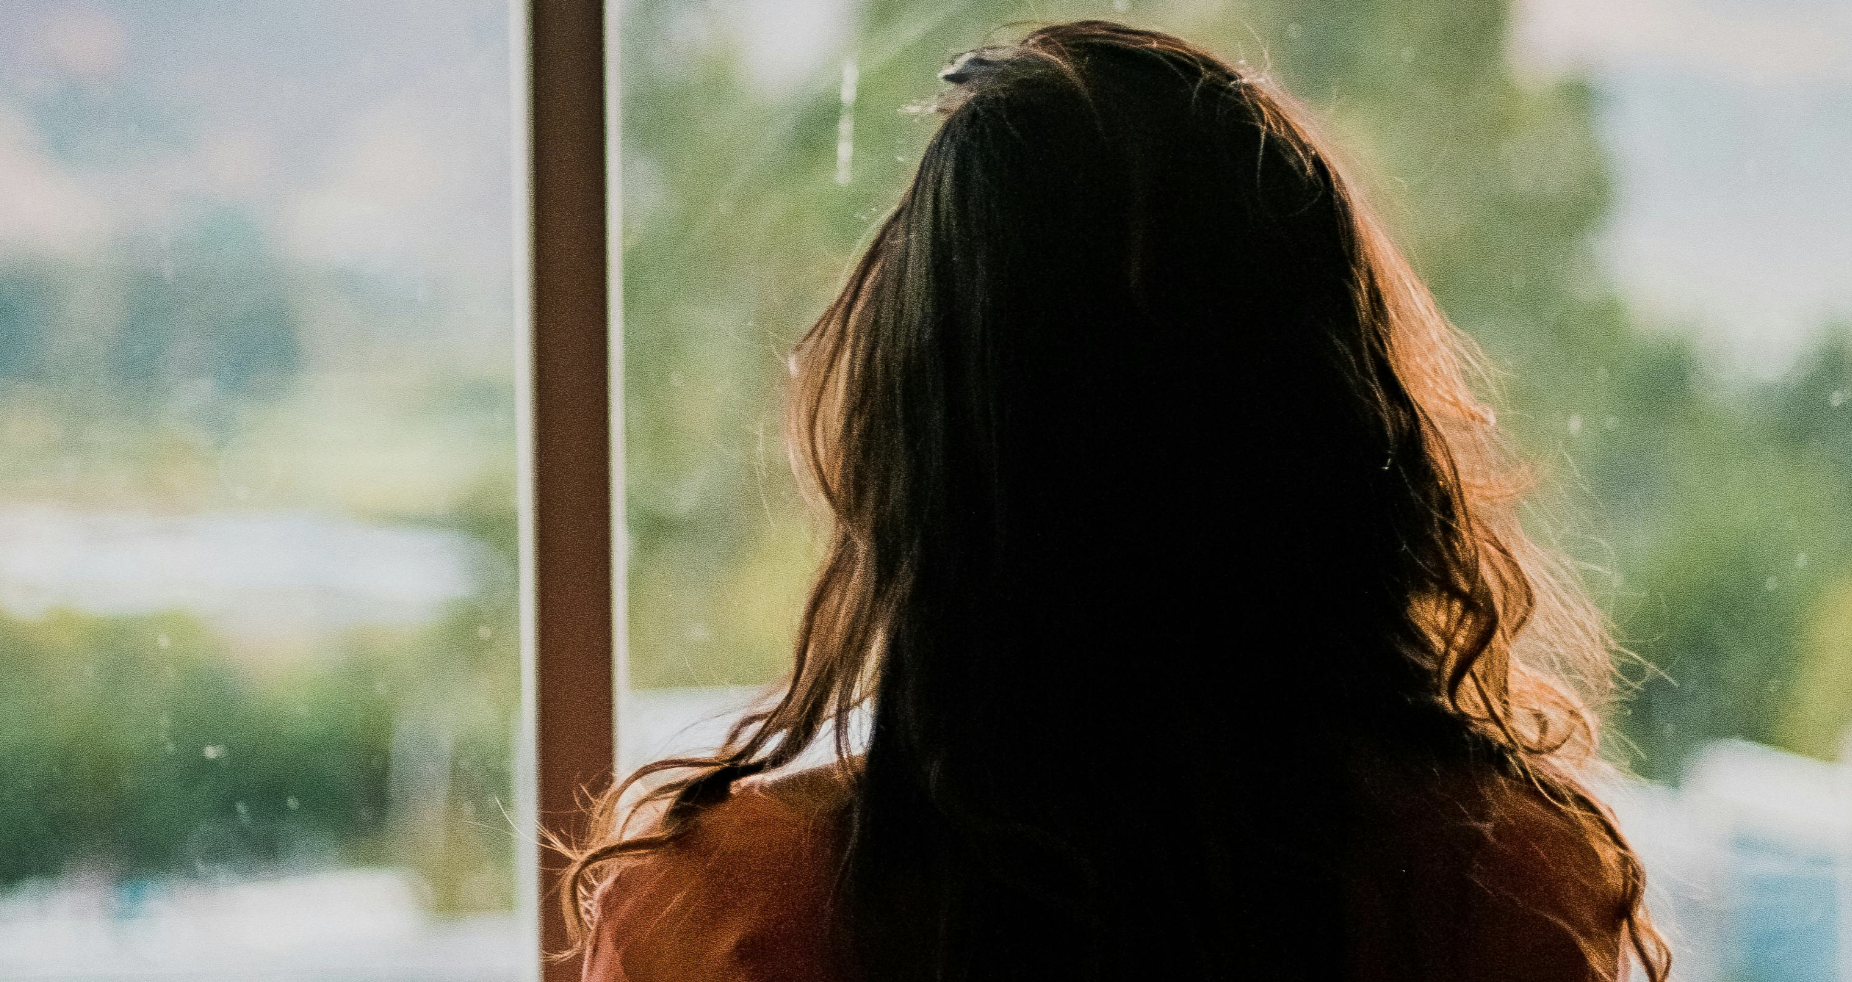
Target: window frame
570,415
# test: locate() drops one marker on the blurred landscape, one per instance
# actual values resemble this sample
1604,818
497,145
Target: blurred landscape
258,640
257,457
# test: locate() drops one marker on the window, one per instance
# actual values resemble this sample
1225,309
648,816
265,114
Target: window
264,413
1637,211
259,628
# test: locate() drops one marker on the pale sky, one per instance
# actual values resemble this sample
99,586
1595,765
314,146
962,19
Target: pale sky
359,130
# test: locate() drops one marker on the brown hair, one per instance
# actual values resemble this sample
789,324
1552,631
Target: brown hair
1151,461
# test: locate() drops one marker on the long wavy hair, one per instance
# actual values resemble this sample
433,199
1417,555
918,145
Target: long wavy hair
1164,512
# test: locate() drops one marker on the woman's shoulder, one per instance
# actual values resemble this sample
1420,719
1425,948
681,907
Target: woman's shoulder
1525,881
744,893
1538,834
1554,892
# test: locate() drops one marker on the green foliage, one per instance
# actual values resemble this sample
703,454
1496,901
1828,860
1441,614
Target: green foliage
133,742
124,332
215,307
140,746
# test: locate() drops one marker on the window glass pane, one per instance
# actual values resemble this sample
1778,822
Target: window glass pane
1638,211
257,577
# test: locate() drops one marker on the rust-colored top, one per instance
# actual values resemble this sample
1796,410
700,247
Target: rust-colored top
745,895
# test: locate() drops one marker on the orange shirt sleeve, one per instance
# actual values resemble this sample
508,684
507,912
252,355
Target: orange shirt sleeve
744,896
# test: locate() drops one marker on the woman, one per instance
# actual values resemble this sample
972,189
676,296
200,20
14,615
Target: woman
1175,588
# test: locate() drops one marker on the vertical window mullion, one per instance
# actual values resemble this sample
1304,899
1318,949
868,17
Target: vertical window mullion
573,588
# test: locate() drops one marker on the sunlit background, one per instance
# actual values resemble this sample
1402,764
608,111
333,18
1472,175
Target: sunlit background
258,658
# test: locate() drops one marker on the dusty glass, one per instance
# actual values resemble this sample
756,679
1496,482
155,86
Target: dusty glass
257,512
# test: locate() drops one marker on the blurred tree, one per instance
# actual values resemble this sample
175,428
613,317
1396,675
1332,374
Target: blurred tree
25,303
211,307
138,747
133,745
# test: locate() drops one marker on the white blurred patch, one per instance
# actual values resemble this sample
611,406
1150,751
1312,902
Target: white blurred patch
1725,125
789,42
44,209
255,574
356,925
87,43
1811,39
237,163
382,195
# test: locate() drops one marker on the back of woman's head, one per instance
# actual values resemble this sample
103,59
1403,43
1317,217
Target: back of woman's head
1159,496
